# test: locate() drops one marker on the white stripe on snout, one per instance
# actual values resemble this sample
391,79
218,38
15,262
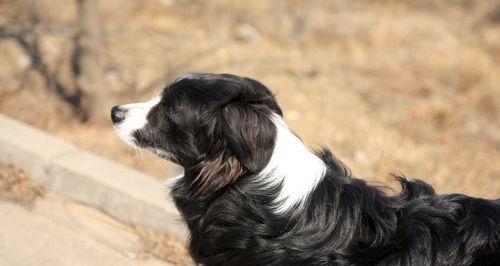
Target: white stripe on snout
292,165
135,118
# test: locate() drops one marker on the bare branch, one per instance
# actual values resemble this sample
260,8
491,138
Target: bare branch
28,40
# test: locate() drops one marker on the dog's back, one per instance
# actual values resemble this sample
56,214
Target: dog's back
447,230
473,223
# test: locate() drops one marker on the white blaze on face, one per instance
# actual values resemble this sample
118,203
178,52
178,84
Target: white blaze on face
135,118
292,165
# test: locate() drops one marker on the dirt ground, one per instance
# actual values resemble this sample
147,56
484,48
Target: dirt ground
137,243
409,87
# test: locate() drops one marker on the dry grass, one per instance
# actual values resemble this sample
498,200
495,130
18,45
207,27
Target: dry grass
17,187
409,86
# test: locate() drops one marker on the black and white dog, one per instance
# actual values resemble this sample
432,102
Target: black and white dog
253,194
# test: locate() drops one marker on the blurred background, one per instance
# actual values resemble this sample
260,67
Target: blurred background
391,86
409,87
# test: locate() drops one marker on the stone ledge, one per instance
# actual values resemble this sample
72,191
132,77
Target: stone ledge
125,194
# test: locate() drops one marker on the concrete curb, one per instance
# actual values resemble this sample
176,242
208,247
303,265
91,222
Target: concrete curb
123,193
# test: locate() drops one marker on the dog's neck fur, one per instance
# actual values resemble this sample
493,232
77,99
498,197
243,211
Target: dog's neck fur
293,167
293,170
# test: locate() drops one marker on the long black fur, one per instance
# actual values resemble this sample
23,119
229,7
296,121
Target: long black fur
217,126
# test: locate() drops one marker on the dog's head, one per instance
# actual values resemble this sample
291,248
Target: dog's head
217,125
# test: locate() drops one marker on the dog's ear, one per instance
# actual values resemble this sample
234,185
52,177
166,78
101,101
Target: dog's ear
249,132
240,141
237,137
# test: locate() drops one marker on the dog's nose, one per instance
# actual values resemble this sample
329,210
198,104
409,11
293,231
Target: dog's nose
117,114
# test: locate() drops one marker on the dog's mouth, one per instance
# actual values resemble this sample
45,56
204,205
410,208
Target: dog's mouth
118,116
125,135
